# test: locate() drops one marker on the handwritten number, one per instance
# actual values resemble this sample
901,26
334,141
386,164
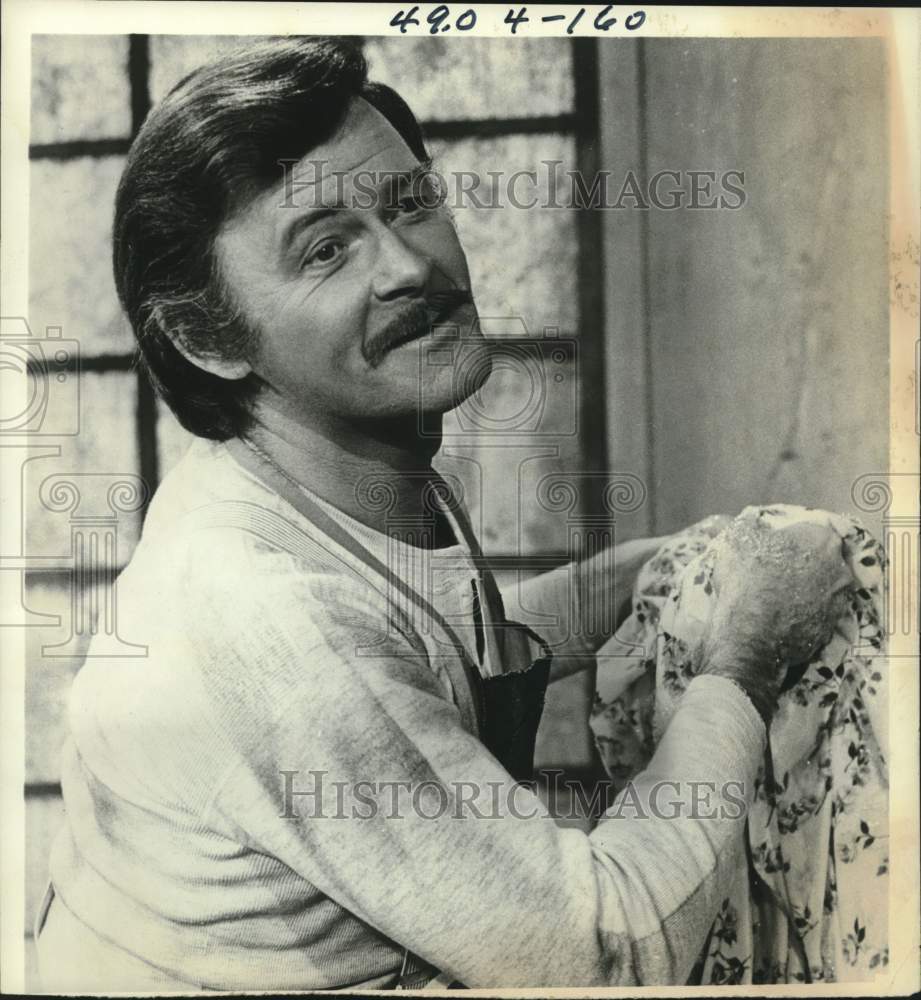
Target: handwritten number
404,18
436,17
635,20
575,21
515,19
471,20
603,22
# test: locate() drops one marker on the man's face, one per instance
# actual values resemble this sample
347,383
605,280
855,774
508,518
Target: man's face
343,297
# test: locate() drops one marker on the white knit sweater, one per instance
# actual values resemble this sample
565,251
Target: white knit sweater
180,848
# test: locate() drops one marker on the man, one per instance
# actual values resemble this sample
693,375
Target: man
310,781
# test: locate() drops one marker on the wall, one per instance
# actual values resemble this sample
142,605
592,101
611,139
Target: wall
747,349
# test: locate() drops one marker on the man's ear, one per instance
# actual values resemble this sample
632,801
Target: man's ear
213,363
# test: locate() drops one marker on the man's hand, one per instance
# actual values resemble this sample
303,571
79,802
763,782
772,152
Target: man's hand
779,594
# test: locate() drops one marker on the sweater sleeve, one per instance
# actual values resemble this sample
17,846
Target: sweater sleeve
546,601
352,767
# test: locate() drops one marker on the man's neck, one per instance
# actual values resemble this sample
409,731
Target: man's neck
378,472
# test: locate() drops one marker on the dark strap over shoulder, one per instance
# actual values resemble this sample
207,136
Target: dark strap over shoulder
512,707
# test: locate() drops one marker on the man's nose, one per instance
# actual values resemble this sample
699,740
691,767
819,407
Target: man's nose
402,269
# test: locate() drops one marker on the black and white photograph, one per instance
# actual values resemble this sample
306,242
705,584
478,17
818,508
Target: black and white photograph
460,498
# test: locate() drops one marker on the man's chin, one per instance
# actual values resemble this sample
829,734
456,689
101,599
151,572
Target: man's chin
454,373
478,369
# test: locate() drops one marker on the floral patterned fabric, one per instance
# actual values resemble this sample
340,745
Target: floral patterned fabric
811,902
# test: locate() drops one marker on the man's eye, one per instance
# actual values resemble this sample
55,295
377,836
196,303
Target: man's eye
408,206
427,196
326,252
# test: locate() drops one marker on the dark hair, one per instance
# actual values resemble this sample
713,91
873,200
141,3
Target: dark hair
211,145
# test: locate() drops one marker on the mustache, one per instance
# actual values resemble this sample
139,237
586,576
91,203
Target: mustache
414,321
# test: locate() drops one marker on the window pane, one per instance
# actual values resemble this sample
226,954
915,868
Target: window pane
501,443
80,87
442,78
48,678
95,460
523,260
174,56
44,817
70,253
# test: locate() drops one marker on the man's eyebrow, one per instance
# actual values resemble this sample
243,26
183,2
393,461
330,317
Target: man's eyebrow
410,176
304,221
407,178
404,178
